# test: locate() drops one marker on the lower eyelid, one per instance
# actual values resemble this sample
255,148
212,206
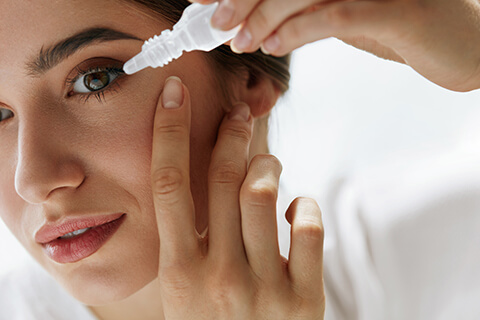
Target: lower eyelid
100,93
4,111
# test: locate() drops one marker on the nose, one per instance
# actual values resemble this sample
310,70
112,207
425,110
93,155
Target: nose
46,161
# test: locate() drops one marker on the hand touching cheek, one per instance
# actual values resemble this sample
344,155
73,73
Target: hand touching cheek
236,270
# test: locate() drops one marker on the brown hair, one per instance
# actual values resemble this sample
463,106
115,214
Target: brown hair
257,64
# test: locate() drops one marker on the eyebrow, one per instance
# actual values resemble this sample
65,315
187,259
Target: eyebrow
51,56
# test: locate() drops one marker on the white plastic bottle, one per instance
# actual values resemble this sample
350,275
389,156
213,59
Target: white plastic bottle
192,32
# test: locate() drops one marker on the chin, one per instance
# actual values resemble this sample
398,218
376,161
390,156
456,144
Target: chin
112,274
94,286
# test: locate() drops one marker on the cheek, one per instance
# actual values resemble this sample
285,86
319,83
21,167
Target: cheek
203,137
122,154
207,113
12,206
22,220
119,161
8,196
120,140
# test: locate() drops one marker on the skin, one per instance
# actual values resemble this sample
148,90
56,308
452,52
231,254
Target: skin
173,171
440,39
98,158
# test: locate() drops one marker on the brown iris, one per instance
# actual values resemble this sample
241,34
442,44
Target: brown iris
97,80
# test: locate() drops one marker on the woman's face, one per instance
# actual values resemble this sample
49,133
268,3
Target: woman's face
70,152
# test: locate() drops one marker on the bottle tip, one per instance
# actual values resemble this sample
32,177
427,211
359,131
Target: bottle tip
135,64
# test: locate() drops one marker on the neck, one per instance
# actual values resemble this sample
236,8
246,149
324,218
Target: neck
144,304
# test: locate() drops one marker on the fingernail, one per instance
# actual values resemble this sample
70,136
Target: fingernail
242,41
271,44
223,15
235,49
172,93
241,112
264,50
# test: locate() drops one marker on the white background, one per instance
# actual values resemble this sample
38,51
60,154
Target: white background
347,111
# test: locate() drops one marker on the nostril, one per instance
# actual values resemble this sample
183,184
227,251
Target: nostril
36,180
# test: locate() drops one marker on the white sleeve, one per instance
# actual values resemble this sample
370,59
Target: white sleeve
403,242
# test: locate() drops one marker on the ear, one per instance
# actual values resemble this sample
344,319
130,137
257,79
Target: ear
260,93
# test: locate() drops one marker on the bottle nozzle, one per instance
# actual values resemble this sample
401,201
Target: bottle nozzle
192,32
137,63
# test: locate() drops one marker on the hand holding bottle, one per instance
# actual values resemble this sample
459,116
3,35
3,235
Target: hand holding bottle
440,39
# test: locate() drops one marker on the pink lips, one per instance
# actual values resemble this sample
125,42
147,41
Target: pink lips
78,247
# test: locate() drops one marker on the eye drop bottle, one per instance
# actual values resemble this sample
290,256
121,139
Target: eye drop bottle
192,32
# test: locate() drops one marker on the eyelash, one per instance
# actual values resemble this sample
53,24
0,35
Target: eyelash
100,94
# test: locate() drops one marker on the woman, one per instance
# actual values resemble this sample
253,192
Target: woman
175,224
88,150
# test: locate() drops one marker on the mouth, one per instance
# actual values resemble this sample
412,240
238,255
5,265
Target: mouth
77,239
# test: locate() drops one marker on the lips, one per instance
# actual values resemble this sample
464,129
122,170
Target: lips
77,247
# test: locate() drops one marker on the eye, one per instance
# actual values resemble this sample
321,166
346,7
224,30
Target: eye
5,114
95,77
94,81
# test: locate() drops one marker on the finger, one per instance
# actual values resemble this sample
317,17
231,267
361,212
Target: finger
258,202
306,250
227,171
170,173
373,46
338,19
230,13
265,19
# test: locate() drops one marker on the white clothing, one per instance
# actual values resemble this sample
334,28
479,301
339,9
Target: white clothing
402,243
30,293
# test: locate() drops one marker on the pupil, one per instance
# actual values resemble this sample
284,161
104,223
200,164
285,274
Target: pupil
96,81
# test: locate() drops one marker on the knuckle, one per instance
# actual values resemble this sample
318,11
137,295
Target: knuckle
292,30
260,19
259,194
308,227
237,132
175,281
263,191
171,131
309,232
338,16
267,161
167,181
226,291
178,272
226,172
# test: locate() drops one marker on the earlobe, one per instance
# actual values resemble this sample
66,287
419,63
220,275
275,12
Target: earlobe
260,93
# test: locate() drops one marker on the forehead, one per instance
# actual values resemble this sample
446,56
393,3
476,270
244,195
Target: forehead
28,25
